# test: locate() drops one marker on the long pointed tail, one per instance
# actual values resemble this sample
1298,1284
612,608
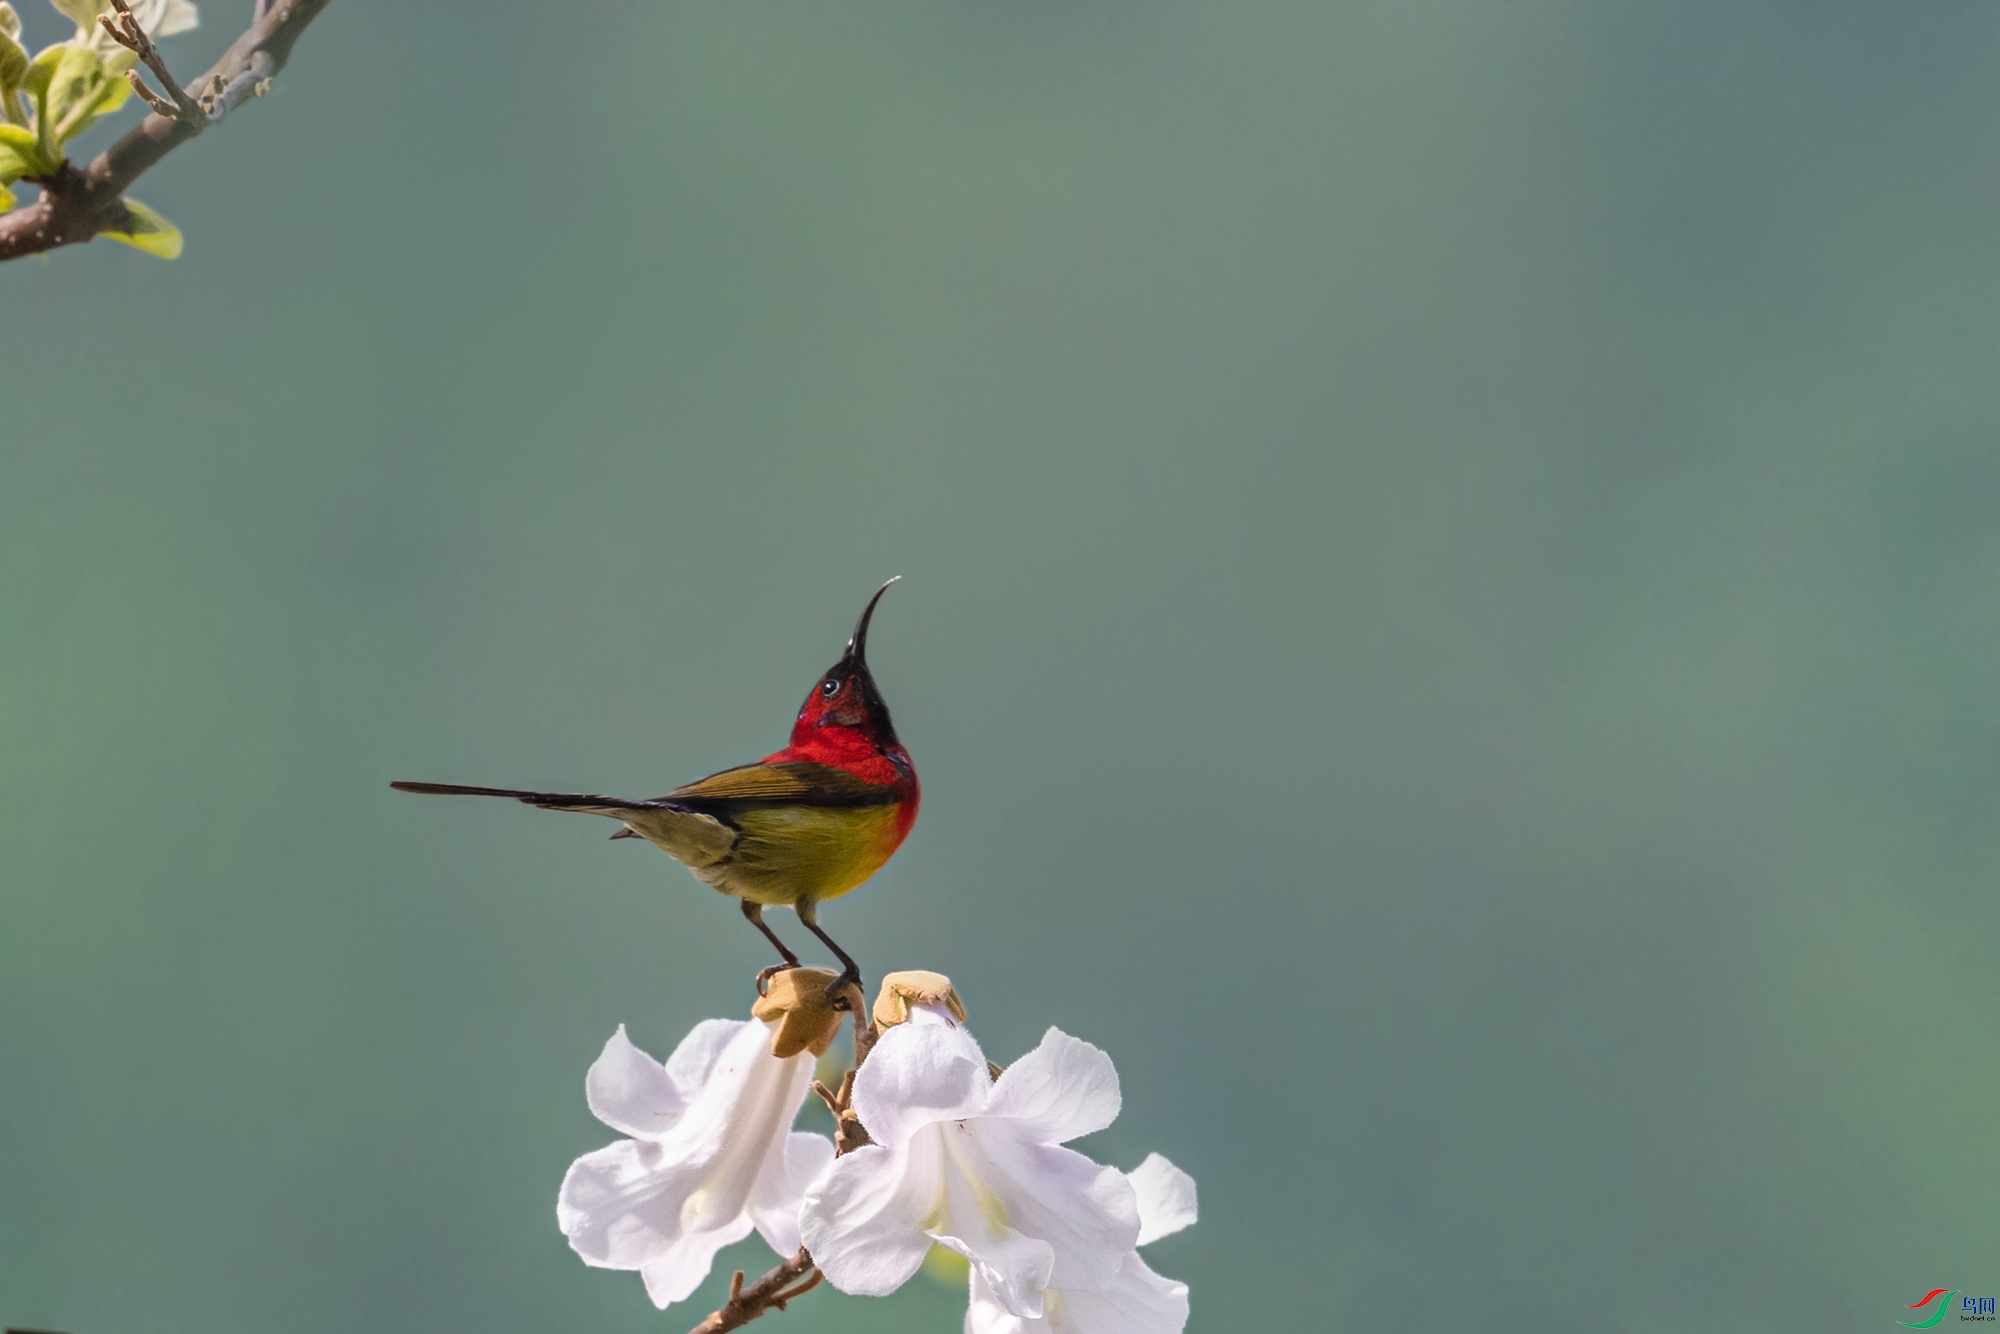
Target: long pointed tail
548,801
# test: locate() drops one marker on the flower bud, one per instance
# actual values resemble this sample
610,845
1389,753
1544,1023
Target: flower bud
796,1005
916,987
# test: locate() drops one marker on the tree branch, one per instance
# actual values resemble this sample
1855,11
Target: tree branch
77,205
769,1293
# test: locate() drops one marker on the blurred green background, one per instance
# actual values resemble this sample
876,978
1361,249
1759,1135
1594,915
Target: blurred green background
1452,595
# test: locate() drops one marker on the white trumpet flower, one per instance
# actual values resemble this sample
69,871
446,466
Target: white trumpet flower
1136,1301
712,1155
975,1165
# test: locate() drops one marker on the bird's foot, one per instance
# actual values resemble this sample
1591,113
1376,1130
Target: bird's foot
764,975
836,992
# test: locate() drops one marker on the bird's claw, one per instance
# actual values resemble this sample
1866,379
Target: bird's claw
836,991
764,975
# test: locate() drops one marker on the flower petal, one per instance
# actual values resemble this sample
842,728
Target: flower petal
622,1204
1166,1198
1137,1301
694,1060
1062,1089
985,1315
864,1217
677,1270
781,1189
630,1091
1015,1269
919,1074
737,1123
1085,1211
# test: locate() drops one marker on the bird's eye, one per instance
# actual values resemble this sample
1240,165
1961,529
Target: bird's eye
829,687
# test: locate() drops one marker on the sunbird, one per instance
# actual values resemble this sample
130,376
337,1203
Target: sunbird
802,825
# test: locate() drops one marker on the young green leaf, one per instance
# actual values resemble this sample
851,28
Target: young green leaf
148,231
83,13
41,70
13,64
73,88
13,59
104,97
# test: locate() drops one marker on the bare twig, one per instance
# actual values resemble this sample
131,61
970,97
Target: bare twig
865,1032
806,1285
160,105
76,205
848,1132
176,105
769,1293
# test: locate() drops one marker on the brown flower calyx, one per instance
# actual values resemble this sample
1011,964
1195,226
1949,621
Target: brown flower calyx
799,1011
915,987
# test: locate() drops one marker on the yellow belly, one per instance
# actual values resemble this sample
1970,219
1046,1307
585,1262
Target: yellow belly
789,853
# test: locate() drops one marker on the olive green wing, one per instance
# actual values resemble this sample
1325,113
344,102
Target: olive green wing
787,783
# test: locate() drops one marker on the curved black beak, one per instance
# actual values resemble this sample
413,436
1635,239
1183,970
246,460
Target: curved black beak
857,645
